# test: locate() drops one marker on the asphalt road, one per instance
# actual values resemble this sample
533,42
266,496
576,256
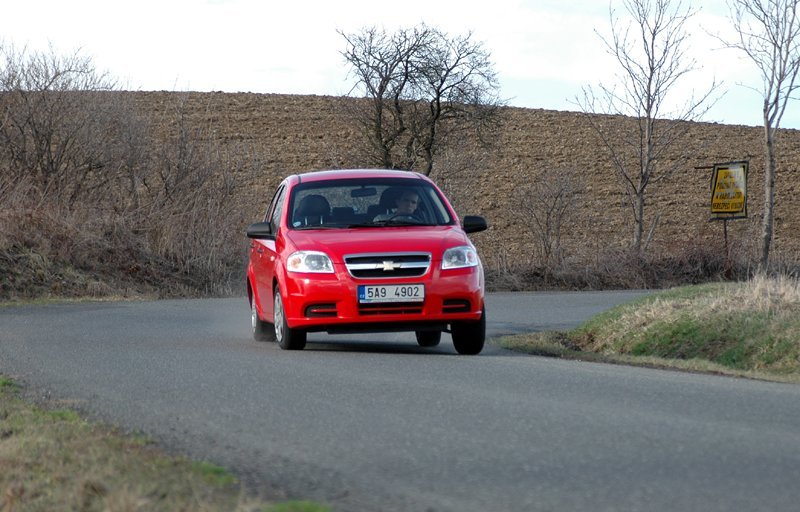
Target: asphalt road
377,423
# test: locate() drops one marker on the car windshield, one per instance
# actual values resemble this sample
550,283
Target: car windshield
367,202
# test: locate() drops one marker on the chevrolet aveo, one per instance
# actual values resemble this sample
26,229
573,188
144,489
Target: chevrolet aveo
365,251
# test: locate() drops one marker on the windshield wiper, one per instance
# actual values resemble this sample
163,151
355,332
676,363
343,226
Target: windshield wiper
405,221
305,228
366,225
389,222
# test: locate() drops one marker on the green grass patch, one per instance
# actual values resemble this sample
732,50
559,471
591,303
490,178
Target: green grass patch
750,328
298,506
5,382
214,474
64,415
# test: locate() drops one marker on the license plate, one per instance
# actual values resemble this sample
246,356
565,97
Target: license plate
391,293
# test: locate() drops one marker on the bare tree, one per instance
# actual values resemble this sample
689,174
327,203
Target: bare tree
382,66
190,216
57,122
649,45
422,87
544,208
769,33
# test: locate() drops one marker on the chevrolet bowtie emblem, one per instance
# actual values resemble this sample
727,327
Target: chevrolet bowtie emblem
388,266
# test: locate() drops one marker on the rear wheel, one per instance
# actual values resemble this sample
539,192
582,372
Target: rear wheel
262,331
288,338
469,337
428,338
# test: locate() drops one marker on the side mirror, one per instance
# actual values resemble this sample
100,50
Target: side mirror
474,223
259,230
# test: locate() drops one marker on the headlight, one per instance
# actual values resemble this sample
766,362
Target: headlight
309,261
460,257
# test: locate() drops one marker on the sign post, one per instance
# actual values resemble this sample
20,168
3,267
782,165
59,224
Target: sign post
729,193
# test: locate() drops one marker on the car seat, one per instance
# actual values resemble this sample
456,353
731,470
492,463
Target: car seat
343,214
313,209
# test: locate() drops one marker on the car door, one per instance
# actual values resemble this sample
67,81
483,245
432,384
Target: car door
263,255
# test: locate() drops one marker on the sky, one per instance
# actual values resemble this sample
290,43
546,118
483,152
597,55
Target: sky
545,52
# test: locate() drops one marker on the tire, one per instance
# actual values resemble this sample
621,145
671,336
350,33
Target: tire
469,337
428,338
288,339
262,331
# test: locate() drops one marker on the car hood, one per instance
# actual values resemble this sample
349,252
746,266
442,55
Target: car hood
338,243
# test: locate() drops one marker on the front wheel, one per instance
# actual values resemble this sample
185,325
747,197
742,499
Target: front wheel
288,338
469,337
262,331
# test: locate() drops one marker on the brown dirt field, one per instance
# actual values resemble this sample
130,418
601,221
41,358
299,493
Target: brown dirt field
289,134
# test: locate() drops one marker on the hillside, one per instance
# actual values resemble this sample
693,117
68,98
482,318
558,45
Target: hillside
297,133
135,237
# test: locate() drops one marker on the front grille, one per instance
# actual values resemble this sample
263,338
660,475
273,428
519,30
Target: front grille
387,265
394,308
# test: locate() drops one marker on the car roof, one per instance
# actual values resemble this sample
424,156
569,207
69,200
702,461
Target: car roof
339,174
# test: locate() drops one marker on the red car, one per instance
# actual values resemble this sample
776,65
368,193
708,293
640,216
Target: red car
365,251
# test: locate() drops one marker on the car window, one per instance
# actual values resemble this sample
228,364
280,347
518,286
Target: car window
367,203
276,208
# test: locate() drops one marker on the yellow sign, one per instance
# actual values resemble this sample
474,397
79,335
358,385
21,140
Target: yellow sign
729,190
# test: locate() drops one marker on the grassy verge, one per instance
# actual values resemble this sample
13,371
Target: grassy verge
749,329
51,459
44,301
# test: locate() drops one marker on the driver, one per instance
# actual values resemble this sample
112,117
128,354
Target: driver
406,206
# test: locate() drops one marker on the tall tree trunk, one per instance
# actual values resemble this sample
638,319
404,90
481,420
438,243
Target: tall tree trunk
638,222
769,195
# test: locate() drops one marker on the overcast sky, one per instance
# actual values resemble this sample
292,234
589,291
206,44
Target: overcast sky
544,51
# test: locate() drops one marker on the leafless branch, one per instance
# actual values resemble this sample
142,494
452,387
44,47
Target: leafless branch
768,32
649,45
422,87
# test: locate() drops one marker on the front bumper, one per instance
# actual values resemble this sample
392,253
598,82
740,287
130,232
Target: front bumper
329,302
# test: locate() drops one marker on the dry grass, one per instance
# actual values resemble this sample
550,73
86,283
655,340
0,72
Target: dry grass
765,295
51,460
611,268
166,225
54,460
748,329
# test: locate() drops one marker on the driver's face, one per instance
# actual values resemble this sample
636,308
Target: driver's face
407,203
